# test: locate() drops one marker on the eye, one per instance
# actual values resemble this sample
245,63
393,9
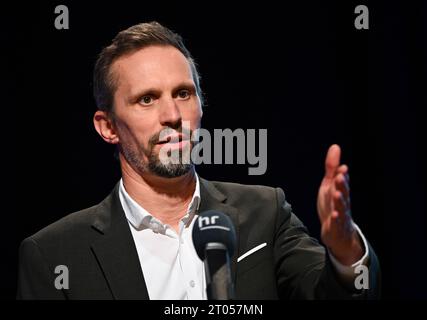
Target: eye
183,94
146,100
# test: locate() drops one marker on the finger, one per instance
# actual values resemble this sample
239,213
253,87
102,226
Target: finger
330,197
343,210
339,204
342,206
342,186
332,160
343,169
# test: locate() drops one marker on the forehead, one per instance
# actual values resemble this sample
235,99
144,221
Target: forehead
153,66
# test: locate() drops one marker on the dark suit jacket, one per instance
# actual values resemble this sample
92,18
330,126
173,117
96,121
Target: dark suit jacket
96,245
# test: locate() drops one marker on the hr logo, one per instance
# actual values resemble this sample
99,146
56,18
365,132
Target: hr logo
207,221
62,280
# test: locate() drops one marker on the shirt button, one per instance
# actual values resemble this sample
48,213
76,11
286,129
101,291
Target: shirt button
192,284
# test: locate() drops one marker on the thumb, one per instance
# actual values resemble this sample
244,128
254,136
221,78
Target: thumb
332,161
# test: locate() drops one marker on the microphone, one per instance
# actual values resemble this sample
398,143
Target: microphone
214,239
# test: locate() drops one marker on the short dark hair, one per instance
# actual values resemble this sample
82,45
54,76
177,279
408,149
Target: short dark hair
127,41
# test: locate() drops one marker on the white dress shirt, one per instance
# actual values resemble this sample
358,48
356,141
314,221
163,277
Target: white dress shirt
172,269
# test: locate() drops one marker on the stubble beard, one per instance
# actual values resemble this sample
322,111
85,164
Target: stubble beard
181,160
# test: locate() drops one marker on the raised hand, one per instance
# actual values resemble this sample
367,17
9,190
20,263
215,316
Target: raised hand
334,209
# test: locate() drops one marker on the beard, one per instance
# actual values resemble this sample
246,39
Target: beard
170,169
166,164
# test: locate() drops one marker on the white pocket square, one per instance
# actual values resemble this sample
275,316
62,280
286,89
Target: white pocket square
243,256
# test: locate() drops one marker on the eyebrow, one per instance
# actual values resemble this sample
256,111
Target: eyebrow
134,97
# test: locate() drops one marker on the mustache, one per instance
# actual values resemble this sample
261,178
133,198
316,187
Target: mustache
155,138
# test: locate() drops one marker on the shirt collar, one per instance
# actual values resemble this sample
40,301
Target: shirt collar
141,218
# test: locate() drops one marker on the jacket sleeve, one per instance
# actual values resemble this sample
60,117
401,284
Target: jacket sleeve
304,269
35,279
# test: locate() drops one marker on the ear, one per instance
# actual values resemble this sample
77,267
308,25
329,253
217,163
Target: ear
201,108
105,127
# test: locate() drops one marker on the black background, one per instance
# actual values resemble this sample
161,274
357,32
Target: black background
299,69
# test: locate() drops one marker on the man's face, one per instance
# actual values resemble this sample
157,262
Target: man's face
155,92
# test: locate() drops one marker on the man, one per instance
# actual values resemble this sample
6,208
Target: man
136,244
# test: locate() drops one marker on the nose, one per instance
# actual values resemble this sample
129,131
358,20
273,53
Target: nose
170,115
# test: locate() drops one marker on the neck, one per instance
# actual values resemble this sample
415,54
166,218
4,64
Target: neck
166,199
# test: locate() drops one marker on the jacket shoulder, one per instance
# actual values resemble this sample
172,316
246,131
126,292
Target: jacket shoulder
251,194
70,225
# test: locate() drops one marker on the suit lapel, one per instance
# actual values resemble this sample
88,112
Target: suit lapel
115,249
116,253
213,199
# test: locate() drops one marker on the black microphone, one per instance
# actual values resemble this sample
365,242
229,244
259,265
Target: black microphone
214,239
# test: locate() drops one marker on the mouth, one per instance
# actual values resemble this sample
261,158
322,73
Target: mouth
172,139
174,142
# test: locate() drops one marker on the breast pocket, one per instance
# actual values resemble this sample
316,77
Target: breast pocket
254,260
